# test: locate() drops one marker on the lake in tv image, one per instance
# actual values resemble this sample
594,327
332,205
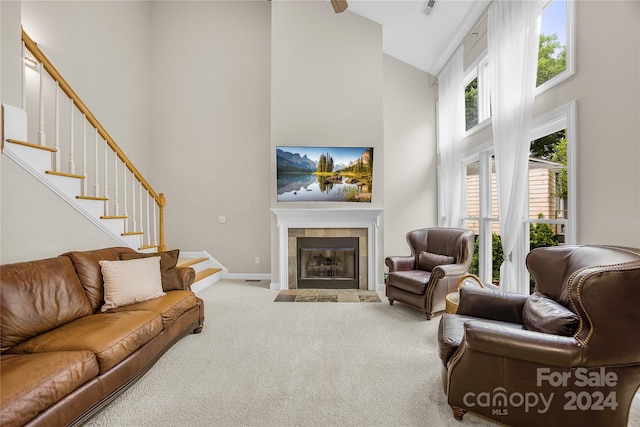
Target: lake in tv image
327,174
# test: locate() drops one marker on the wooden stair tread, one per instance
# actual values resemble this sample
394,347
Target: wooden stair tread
29,144
113,217
101,199
133,233
187,262
68,175
206,273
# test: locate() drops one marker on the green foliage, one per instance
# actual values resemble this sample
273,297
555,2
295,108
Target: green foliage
471,104
560,156
552,58
540,235
325,163
497,257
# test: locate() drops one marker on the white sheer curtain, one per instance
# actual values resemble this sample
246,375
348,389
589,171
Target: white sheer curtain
513,38
450,131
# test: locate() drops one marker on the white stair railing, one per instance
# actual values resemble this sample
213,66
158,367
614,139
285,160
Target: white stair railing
148,224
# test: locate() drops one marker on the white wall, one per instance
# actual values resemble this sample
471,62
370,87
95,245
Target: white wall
101,49
409,153
210,120
326,90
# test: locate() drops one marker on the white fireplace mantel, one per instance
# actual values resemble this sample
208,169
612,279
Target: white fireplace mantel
327,218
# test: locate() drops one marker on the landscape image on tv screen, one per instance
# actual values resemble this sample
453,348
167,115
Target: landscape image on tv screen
327,174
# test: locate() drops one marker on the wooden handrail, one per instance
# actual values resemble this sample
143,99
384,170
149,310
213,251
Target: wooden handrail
66,88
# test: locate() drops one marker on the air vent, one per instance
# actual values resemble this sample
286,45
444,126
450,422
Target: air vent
428,7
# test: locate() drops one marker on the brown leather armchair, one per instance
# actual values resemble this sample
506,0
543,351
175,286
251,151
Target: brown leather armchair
439,257
569,354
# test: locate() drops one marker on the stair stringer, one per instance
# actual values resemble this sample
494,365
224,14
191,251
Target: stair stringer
36,162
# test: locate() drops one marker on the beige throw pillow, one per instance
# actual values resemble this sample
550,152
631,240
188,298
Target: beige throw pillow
130,282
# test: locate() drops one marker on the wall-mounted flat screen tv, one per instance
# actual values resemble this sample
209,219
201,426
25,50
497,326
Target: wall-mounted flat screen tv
325,174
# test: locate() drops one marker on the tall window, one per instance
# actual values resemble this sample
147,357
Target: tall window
476,95
551,203
555,54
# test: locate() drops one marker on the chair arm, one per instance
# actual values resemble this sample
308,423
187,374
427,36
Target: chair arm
186,276
400,263
490,304
531,346
451,269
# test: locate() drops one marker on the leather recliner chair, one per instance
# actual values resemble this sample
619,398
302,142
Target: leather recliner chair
569,354
439,257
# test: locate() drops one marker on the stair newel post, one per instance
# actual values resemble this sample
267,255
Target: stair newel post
56,155
155,224
106,179
96,185
124,196
161,203
84,154
72,159
41,134
116,205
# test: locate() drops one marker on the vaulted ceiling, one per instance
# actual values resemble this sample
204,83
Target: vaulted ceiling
424,41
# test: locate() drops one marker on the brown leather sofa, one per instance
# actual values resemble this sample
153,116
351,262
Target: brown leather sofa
439,257
62,358
567,355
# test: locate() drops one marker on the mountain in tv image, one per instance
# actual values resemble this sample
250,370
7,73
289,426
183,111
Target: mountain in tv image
324,173
292,162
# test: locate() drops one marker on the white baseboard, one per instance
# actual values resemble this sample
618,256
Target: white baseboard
248,276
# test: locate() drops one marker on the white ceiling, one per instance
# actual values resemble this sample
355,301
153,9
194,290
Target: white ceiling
426,42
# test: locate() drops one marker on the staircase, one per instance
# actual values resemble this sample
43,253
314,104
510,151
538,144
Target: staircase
118,200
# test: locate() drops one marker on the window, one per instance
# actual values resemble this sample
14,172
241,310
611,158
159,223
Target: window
551,218
476,95
555,55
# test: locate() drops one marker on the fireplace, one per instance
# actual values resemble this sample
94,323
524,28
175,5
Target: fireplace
360,223
327,263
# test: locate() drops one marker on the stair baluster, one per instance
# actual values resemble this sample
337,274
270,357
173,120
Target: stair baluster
72,160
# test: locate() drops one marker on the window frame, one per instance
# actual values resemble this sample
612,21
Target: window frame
479,69
570,47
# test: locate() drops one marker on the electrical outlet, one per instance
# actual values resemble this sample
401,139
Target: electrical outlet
257,260
222,219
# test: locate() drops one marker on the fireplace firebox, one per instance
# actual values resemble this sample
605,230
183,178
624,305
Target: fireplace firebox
327,262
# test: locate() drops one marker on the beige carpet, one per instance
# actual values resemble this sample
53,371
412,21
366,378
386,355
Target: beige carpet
261,363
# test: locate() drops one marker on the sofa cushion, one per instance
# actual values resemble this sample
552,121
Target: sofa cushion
33,382
110,336
168,262
87,266
414,281
542,314
428,261
170,307
130,282
38,296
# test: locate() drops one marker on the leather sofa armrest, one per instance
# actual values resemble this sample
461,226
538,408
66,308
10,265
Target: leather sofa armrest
186,276
490,304
400,263
521,344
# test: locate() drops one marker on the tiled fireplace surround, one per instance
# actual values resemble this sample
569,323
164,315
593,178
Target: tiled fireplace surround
293,223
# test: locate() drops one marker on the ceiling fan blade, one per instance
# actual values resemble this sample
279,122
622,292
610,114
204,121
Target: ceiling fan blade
339,5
